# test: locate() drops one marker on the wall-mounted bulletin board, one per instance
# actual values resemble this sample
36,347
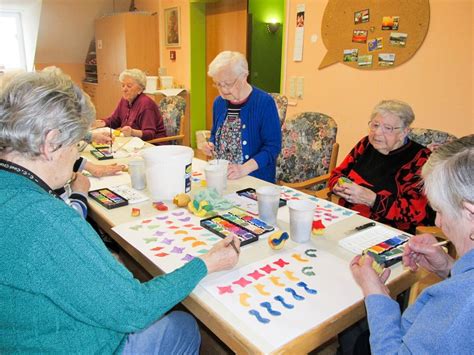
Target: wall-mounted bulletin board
373,34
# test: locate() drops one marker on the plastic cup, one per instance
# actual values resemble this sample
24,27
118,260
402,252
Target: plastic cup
136,169
301,220
268,198
216,176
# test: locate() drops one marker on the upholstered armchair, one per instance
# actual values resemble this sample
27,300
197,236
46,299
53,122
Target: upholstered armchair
172,110
281,102
309,152
430,138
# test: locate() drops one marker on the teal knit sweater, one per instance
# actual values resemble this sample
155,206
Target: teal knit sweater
60,288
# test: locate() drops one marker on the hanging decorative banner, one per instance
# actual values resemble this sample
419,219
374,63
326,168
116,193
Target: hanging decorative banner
299,33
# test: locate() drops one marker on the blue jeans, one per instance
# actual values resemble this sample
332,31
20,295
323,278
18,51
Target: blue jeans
175,333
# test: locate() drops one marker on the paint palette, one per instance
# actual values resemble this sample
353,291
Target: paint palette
108,198
389,251
102,153
248,221
224,227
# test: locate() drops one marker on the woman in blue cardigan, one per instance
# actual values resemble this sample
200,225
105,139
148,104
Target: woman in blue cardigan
245,126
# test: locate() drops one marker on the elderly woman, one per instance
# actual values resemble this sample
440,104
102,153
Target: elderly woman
245,125
61,291
441,320
136,114
380,178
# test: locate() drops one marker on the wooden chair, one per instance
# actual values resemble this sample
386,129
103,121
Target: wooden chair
309,153
172,110
281,102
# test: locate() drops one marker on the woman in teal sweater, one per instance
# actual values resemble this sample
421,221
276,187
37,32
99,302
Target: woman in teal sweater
60,289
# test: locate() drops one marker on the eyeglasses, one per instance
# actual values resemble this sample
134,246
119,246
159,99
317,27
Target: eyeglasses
81,145
373,126
225,85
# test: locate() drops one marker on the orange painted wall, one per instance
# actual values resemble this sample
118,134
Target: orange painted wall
437,81
74,70
179,68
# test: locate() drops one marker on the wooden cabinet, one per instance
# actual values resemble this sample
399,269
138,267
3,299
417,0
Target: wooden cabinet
91,90
123,41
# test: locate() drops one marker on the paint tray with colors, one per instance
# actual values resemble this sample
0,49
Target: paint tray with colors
108,198
389,251
224,228
248,221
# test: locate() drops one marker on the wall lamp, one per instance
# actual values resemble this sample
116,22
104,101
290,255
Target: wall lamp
272,27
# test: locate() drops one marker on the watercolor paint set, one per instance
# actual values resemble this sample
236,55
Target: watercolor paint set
102,153
236,222
108,198
390,251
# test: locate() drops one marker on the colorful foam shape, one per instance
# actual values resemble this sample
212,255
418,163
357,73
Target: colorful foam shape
277,240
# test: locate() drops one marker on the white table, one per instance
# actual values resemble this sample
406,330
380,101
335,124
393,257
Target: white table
218,318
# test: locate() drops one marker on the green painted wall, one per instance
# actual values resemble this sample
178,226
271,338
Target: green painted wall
198,68
266,48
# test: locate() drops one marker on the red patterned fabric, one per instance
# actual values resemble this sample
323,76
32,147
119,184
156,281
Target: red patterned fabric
395,178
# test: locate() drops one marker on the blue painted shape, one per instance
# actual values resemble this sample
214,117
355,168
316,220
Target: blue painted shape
306,288
257,315
283,303
294,294
268,306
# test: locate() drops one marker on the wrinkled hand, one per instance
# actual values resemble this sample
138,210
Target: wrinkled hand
367,278
80,184
208,148
98,124
127,131
355,194
103,170
222,256
236,171
102,137
420,251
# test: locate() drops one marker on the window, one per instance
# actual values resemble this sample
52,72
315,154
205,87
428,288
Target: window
12,55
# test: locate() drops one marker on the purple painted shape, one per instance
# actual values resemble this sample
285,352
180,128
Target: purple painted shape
188,257
185,219
159,234
180,213
167,241
161,218
177,250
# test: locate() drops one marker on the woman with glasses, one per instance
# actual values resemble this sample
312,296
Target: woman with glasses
61,290
245,125
380,177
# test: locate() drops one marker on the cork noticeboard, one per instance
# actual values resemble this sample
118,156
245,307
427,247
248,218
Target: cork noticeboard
352,31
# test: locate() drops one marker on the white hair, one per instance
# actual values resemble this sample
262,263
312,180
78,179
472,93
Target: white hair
33,104
395,107
449,176
235,60
136,74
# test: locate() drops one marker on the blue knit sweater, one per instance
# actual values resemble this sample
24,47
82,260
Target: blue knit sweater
61,290
260,128
439,322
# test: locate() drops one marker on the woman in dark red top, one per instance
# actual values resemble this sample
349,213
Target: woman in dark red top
384,171
136,114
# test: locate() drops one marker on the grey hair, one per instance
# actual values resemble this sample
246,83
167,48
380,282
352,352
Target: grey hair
136,74
395,107
33,104
449,176
236,61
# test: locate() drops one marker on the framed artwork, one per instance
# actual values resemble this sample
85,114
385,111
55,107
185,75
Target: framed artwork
172,27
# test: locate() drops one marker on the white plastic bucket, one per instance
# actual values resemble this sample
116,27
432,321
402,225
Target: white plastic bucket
166,82
168,170
151,83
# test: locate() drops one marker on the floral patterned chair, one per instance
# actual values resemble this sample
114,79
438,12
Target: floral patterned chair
309,152
430,138
172,110
281,102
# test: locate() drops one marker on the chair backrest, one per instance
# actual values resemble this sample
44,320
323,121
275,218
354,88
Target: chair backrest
172,111
281,102
430,138
308,141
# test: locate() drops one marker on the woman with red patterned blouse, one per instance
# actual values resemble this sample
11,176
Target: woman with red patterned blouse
384,171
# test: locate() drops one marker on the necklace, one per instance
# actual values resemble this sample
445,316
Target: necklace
17,169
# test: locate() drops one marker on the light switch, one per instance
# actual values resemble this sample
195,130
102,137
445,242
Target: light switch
299,87
292,86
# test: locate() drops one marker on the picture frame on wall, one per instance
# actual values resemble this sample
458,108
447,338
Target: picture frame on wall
172,27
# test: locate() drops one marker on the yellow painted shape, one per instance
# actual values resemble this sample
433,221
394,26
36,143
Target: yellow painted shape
261,289
274,280
299,258
243,299
289,275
